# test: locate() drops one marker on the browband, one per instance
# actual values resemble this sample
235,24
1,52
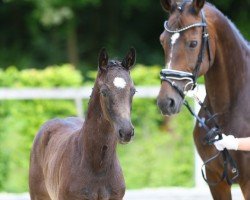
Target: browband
199,24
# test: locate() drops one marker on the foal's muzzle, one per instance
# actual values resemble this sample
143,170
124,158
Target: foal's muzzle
125,132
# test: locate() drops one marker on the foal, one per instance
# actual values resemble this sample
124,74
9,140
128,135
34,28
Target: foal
72,159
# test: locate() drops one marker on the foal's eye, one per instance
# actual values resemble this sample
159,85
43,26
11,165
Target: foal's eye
133,91
104,93
193,44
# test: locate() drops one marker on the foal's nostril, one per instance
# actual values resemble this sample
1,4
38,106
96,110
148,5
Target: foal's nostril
132,133
120,133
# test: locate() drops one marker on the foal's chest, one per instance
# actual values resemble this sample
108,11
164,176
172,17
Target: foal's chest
98,193
111,188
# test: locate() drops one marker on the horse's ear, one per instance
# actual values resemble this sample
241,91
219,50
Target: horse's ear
103,59
130,58
167,5
198,5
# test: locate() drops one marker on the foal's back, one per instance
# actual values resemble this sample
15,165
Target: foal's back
57,129
54,141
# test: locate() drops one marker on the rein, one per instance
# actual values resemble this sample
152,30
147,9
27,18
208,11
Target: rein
210,138
170,75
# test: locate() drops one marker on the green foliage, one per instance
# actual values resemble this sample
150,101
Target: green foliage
55,12
52,76
143,75
44,32
155,158
20,120
158,158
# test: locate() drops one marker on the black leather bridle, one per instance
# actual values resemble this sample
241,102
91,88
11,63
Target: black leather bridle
170,75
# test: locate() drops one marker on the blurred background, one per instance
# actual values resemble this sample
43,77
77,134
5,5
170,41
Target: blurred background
55,43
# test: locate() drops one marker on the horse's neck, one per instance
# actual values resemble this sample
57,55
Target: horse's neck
227,77
97,137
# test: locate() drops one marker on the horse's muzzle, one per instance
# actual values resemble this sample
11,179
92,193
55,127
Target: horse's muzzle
168,105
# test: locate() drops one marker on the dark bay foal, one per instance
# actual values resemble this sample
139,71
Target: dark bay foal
72,159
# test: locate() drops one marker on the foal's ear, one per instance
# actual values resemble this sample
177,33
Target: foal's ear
198,5
130,58
167,5
103,59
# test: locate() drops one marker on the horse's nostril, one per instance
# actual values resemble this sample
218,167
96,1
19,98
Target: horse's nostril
172,103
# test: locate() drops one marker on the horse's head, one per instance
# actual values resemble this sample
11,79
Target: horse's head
187,52
116,90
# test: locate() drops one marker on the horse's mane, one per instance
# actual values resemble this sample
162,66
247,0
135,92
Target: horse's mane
178,22
232,25
236,30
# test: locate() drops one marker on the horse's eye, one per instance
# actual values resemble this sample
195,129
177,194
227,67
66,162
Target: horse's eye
193,44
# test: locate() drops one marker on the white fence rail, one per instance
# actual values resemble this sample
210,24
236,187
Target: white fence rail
76,94
83,93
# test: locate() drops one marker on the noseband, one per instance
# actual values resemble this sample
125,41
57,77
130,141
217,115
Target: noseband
169,75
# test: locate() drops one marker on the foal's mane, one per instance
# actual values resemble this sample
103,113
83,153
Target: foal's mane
114,64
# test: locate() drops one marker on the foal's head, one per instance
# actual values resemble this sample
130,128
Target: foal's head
182,41
116,90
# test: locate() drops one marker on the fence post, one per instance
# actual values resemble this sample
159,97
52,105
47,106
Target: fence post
199,182
79,107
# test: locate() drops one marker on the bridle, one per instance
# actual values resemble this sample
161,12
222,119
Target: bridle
170,75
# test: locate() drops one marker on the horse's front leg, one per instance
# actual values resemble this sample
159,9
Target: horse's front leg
220,191
245,188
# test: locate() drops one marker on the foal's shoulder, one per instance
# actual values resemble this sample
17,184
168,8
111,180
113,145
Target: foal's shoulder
74,123
59,127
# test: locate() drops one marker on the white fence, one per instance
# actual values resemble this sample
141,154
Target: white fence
76,94
81,94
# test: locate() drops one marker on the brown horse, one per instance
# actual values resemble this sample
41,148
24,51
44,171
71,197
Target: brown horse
224,59
72,159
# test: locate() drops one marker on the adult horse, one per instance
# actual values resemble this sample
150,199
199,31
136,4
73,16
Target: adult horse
76,160
199,40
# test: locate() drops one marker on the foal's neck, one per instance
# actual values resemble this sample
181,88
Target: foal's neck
227,77
98,137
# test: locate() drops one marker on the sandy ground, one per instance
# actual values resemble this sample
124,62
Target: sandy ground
152,194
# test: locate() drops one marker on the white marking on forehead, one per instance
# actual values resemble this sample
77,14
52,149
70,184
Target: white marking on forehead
174,38
119,82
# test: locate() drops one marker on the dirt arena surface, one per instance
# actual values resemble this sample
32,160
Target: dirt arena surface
152,194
